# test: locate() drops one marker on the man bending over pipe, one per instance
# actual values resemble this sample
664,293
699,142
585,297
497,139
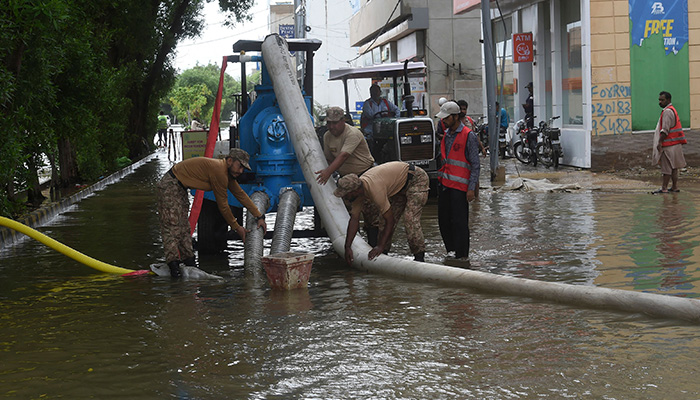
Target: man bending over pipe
200,173
397,188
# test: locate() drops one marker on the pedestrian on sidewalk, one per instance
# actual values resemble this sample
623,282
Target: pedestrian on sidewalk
200,173
668,141
162,128
457,180
397,189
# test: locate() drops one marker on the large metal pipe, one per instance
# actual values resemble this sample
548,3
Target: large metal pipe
253,247
335,219
284,222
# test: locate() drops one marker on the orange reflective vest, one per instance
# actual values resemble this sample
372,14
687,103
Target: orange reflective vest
456,170
675,135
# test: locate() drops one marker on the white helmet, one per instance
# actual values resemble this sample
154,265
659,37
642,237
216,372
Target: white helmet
442,101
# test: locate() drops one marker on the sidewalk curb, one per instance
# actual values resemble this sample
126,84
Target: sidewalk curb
44,214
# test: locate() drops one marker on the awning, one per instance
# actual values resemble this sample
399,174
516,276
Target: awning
388,70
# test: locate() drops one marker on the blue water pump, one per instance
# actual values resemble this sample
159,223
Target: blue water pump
262,133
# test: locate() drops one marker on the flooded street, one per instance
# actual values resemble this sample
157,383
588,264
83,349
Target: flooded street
68,331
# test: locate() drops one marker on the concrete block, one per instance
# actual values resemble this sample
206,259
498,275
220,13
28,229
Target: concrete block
603,58
622,24
622,41
601,42
623,74
622,57
694,69
599,10
621,8
603,75
500,178
603,25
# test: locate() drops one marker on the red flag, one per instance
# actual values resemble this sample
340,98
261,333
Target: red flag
209,150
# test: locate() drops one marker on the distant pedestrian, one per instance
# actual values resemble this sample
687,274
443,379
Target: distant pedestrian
502,117
529,108
667,150
162,128
197,125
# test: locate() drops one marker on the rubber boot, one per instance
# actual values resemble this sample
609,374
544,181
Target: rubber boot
175,269
372,236
420,256
190,262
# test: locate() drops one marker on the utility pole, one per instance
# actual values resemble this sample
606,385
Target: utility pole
490,64
300,33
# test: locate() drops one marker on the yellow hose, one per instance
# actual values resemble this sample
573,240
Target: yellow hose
61,248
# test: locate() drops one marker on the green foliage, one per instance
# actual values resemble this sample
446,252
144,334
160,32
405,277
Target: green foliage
208,76
81,81
122,162
188,101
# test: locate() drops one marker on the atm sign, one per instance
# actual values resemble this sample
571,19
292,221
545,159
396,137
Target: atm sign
522,47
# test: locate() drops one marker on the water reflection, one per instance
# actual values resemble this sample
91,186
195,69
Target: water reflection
68,331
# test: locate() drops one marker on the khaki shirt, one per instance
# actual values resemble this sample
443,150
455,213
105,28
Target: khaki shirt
380,183
351,141
205,173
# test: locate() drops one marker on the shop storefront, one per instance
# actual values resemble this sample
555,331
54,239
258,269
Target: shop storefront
559,67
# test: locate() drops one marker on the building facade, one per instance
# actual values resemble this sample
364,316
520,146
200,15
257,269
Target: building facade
427,30
598,64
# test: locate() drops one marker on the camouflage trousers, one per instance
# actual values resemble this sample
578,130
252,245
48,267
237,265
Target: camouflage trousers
409,203
173,209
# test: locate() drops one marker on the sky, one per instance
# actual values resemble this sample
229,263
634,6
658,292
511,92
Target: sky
217,40
328,19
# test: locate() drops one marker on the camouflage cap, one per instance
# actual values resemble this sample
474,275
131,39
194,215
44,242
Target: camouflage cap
240,155
347,184
334,114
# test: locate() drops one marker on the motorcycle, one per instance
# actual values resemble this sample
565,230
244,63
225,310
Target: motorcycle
523,148
549,150
482,129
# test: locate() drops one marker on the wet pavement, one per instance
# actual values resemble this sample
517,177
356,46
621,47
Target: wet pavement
71,332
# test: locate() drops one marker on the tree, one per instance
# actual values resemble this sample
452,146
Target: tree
81,82
188,101
208,76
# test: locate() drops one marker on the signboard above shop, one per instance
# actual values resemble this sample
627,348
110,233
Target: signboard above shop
522,47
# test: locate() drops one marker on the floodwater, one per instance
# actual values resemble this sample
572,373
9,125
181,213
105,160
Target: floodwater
67,331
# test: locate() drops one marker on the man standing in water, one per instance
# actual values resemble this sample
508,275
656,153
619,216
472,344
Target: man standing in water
344,147
457,180
668,139
201,173
347,152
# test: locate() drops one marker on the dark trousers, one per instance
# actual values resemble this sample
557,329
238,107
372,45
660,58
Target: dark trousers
453,219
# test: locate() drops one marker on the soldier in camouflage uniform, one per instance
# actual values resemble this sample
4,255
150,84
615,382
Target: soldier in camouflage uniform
397,189
207,174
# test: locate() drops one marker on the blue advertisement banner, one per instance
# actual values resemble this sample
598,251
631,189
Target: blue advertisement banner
666,17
